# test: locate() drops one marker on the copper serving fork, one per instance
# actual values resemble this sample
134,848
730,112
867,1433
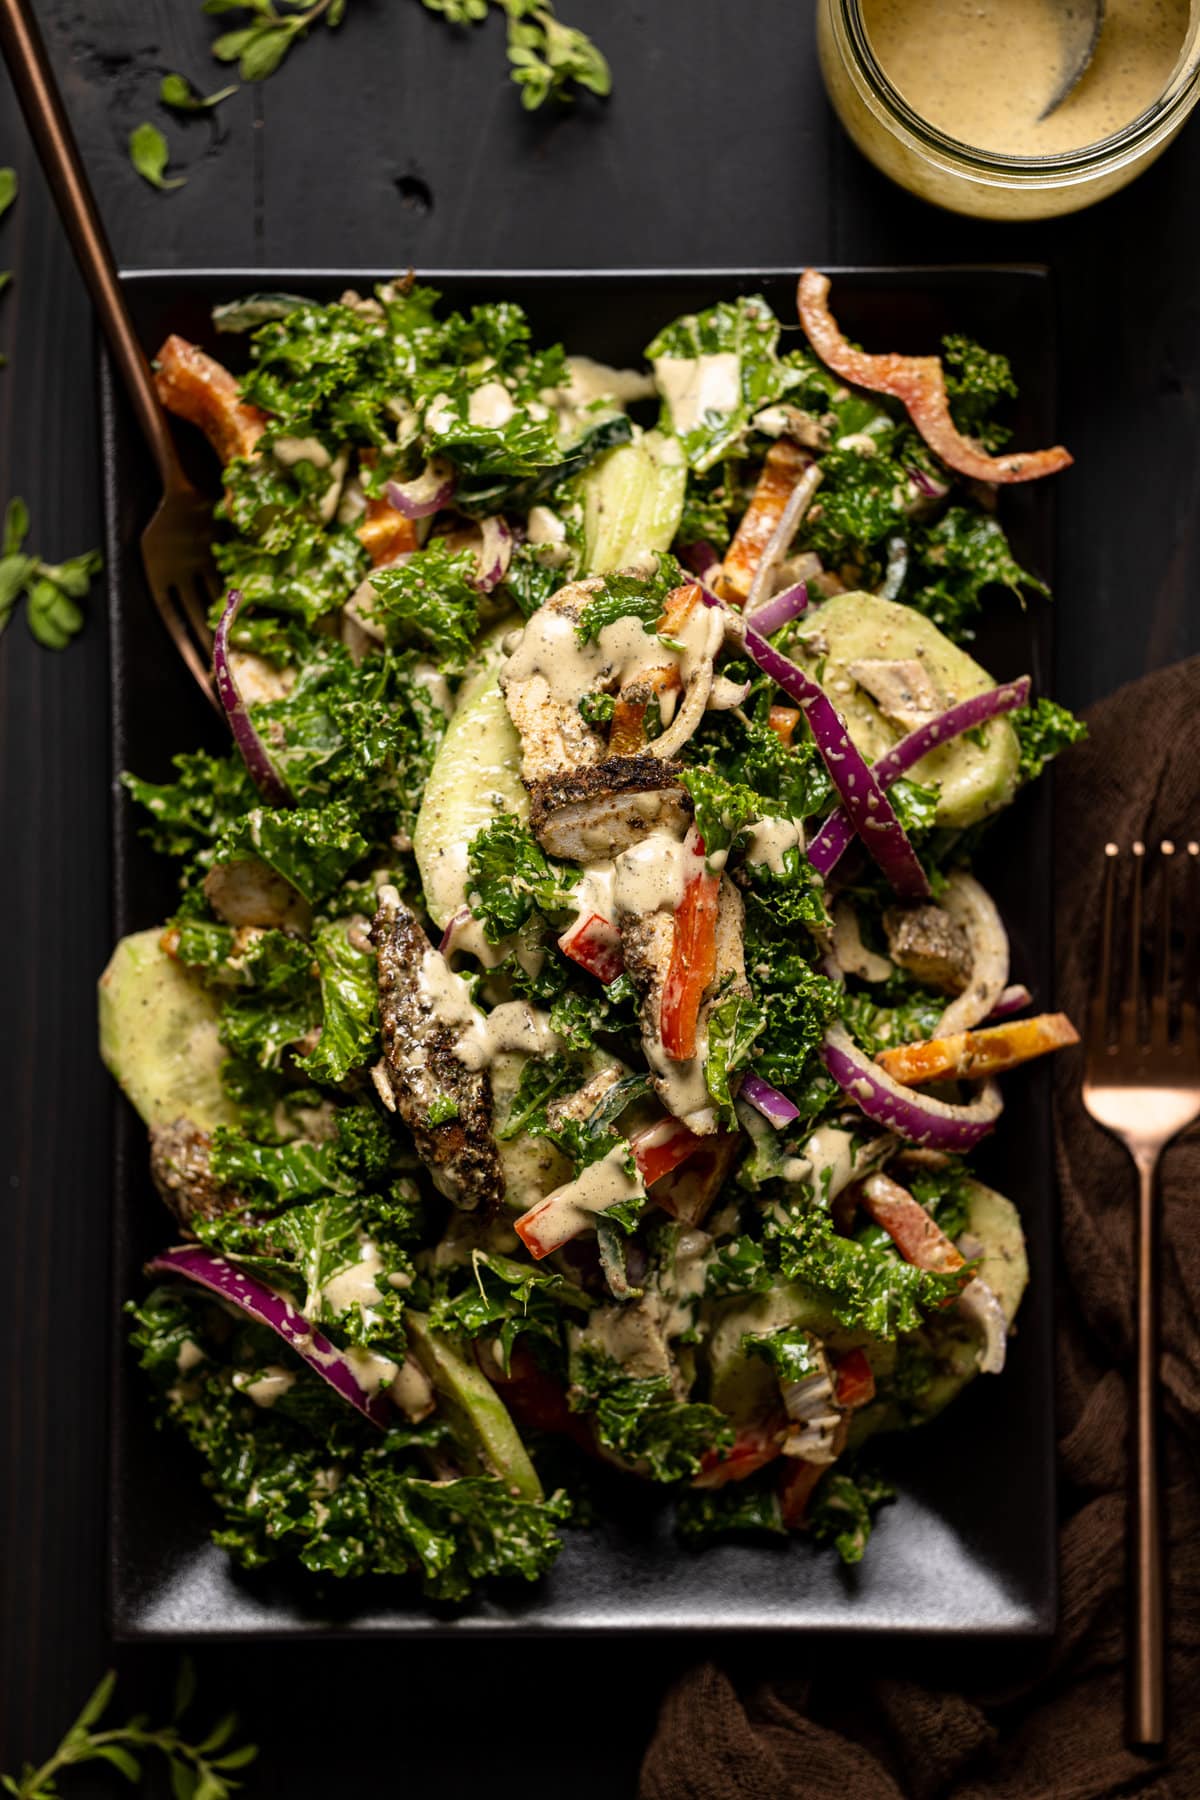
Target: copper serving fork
176,545
1142,1083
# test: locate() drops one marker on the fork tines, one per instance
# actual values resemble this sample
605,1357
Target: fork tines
1145,996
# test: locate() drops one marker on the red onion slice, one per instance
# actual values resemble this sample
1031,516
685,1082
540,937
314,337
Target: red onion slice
1013,1000
432,489
266,1307
775,1107
257,758
866,805
926,485
780,609
838,833
916,1117
699,557
493,554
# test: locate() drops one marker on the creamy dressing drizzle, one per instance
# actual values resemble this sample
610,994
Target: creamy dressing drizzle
770,840
482,1036
371,1370
983,71
491,406
266,1388
571,1208
694,386
352,1286
649,877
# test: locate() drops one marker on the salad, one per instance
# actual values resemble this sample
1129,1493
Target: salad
579,1010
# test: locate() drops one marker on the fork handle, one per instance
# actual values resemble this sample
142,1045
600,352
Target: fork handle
41,102
1146,1718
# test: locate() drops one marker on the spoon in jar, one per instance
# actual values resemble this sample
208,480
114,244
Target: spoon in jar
1080,24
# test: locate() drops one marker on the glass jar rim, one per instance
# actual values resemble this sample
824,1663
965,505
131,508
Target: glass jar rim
1160,117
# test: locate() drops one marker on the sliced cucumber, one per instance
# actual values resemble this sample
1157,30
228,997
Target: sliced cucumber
632,502
475,776
975,775
158,1036
480,1420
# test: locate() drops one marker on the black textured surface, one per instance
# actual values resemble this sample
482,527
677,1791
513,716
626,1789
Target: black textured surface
395,142
976,1490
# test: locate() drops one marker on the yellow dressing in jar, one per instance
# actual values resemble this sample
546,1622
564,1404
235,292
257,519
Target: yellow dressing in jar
947,96
983,71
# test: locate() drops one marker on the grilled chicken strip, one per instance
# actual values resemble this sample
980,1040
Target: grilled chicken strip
587,814
182,1171
647,939
249,892
930,944
554,733
424,1016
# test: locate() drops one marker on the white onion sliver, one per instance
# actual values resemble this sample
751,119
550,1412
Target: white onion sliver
972,907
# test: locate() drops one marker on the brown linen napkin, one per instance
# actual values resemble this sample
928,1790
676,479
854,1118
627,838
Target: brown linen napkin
1059,1735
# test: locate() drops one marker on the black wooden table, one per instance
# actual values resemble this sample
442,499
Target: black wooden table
393,143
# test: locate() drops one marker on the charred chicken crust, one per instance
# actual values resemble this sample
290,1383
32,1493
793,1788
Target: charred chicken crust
422,1071
602,809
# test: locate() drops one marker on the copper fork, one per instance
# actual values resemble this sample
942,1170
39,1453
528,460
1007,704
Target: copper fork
176,545
1142,1083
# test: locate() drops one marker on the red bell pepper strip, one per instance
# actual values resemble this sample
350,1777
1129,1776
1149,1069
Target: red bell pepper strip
919,383
796,1486
751,1450
693,957
594,943
783,721
919,1239
661,1147
854,1380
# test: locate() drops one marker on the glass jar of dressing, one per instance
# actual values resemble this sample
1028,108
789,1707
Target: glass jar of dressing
949,97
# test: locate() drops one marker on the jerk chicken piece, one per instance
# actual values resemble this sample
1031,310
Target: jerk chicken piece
930,944
249,894
600,810
196,387
597,789
647,939
182,1171
424,1014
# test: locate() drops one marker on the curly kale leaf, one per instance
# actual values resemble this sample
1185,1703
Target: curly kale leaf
209,795
312,847
1043,730
747,330
799,1004
307,1480
626,596
510,878
976,381
957,558
791,1351
641,1420
510,1299
866,1287
723,808
435,596
843,1510
739,1509
349,1006
734,1027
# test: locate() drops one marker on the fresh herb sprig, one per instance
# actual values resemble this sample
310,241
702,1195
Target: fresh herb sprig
53,591
201,1770
549,60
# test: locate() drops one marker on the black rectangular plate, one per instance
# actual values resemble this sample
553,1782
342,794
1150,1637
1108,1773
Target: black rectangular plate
969,1547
